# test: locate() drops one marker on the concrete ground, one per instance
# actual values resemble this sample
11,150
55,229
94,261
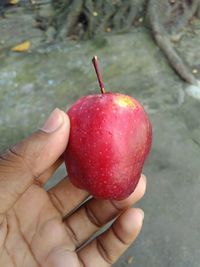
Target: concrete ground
33,83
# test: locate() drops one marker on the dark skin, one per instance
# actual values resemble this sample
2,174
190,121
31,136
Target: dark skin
34,228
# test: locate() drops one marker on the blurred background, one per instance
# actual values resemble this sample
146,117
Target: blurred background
147,49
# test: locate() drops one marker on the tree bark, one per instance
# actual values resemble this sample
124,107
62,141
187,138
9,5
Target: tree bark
161,36
83,19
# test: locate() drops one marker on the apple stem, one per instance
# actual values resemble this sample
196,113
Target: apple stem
99,77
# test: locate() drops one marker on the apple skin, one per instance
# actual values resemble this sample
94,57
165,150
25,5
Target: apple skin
110,138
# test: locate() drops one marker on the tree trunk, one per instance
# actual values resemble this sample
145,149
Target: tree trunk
177,15
86,18
83,19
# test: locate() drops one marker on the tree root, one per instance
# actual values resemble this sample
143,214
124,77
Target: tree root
198,11
86,18
83,19
67,17
161,36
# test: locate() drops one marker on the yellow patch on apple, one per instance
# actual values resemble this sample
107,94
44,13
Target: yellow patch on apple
124,101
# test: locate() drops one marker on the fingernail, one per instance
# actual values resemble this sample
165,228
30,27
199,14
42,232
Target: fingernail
54,122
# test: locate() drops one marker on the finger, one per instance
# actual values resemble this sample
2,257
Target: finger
109,246
30,158
65,190
95,213
66,197
44,177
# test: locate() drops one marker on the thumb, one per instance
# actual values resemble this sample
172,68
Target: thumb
27,160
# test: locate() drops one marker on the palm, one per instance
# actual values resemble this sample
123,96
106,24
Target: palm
36,235
34,231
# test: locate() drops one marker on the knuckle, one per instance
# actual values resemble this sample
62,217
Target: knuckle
104,253
56,202
72,234
118,237
92,217
119,205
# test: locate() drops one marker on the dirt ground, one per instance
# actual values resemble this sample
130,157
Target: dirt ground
32,83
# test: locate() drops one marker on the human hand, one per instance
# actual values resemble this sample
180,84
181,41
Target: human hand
38,228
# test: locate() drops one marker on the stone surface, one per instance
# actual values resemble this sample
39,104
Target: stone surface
32,84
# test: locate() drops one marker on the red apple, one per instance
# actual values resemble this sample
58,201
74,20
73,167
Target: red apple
109,141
